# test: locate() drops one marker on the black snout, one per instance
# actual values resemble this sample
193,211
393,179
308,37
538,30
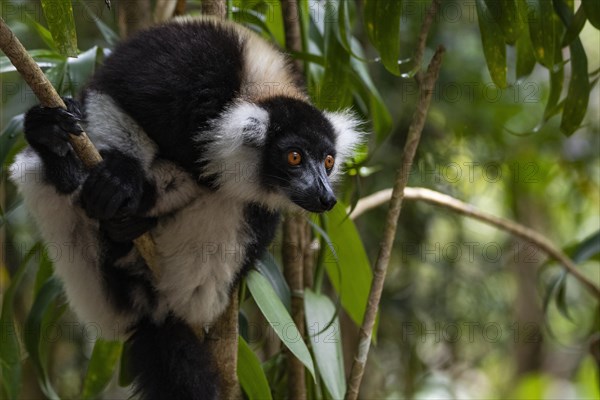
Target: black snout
327,200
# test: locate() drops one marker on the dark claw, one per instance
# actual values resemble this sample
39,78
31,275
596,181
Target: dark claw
48,129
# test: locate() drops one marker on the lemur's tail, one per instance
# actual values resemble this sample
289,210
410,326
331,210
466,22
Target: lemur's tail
168,362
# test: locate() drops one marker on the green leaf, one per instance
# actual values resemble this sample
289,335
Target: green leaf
280,320
101,367
56,76
352,280
274,22
59,17
574,27
363,85
42,32
268,268
592,11
579,90
250,373
108,34
540,15
252,19
10,352
506,16
525,56
80,69
36,335
492,40
557,76
126,376
326,343
382,22
334,91
44,59
343,32
9,136
44,272
588,248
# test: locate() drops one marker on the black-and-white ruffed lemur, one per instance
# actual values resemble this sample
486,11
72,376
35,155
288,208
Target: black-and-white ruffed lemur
205,135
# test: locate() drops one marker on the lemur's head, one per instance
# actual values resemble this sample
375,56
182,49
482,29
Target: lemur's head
282,149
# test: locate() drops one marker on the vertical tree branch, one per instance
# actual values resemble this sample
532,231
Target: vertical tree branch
296,233
133,15
225,348
426,85
291,21
164,10
217,8
293,243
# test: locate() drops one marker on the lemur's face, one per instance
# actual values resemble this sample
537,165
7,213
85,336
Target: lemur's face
300,155
301,171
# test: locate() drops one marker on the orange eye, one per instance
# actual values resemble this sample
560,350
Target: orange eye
294,158
329,161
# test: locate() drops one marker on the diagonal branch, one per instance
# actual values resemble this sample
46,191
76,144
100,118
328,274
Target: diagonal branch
468,210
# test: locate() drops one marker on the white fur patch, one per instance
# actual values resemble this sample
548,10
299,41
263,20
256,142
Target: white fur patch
233,154
349,136
64,226
110,128
200,251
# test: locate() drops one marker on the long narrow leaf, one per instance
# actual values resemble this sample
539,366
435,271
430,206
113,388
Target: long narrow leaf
353,279
326,343
35,337
250,373
540,14
579,90
506,16
9,136
494,47
280,320
382,22
10,353
101,367
592,10
268,268
59,16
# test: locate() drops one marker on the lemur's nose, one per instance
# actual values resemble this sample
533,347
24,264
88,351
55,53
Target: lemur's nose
328,201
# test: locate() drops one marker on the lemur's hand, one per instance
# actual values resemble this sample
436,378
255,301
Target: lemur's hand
125,229
48,129
116,187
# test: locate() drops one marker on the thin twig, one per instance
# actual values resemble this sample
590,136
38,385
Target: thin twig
469,210
426,85
422,38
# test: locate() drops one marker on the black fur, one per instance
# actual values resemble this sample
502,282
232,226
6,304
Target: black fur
170,363
123,282
47,131
172,80
295,125
264,226
116,187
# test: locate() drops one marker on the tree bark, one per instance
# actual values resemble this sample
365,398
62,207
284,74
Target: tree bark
133,15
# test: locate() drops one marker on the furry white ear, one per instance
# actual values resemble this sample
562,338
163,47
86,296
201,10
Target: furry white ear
349,134
242,124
